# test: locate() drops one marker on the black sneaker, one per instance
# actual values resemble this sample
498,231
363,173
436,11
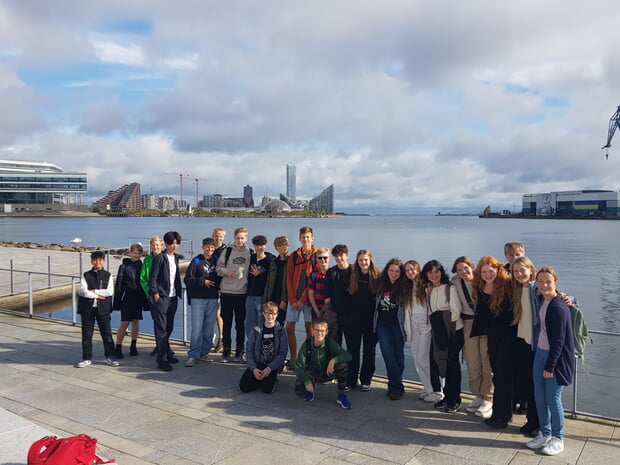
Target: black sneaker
172,359
238,356
226,355
453,407
441,405
164,366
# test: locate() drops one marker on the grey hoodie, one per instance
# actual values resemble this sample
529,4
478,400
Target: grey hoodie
239,262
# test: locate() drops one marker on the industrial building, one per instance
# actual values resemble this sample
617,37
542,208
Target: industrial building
581,203
34,186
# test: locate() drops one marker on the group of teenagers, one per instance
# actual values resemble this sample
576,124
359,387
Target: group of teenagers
508,320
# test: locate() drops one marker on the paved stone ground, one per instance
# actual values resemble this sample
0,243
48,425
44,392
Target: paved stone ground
198,416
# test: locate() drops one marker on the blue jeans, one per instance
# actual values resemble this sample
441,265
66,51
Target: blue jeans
203,313
392,346
548,394
253,313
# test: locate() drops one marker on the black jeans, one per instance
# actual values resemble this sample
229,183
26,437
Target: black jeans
249,383
163,312
359,336
452,388
233,305
88,327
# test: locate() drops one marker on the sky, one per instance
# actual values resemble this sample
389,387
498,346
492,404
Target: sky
405,106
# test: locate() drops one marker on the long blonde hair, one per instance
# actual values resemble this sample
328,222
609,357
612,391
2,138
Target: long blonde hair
517,287
356,272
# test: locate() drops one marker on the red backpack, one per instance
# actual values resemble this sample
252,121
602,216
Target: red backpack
76,450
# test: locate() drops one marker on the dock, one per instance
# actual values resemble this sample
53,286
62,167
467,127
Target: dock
198,415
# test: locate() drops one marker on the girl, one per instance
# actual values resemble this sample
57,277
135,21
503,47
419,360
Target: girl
388,324
129,298
494,313
418,329
156,244
554,363
360,332
525,306
475,349
447,330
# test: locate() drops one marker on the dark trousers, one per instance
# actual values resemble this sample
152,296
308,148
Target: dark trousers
88,327
340,374
249,383
502,355
452,388
233,305
525,381
435,378
163,312
356,331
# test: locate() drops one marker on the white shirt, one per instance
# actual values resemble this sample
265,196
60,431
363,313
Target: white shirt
173,272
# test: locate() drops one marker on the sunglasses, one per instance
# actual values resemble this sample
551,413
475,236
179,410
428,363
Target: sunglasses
323,258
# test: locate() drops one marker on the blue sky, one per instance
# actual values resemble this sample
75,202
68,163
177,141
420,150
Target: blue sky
405,106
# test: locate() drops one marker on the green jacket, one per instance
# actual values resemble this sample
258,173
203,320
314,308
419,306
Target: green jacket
272,273
144,273
312,359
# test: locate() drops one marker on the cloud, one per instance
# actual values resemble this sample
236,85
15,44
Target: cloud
406,105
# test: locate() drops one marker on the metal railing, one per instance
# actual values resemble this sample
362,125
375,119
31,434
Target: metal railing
74,280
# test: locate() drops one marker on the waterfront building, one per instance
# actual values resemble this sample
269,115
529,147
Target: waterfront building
149,201
591,203
126,196
291,183
33,185
248,196
324,202
276,206
166,203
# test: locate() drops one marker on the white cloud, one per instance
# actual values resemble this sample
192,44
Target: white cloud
113,52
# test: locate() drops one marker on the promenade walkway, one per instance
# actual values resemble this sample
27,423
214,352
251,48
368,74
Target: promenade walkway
198,416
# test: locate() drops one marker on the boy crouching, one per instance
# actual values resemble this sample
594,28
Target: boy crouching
320,360
266,351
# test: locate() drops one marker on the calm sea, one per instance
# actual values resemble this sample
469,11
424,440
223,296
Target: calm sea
586,254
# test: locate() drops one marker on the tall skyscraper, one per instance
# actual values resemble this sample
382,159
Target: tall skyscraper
291,182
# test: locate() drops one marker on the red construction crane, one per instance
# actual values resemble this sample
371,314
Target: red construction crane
196,180
181,176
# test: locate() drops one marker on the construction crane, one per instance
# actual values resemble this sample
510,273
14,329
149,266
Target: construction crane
196,180
180,176
614,123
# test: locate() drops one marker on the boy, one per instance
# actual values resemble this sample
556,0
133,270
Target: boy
156,244
257,280
164,292
275,288
316,283
232,266
95,303
320,360
218,235
266,351
202,283
337,291
512,251
300,265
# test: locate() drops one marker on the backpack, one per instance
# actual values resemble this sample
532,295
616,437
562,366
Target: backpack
580,330
75,450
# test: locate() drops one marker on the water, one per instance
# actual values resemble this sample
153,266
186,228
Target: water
586,255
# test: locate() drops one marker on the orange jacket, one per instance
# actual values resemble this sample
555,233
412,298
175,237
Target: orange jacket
298,269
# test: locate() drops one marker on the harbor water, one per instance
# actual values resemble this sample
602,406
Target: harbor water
585,253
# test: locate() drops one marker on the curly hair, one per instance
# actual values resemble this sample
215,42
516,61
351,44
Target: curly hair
501,285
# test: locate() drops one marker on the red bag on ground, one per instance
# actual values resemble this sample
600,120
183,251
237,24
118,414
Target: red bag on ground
76,450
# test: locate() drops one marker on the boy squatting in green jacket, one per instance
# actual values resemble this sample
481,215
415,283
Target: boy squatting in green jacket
320,360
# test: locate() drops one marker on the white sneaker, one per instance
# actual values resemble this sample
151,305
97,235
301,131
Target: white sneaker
190,362
112,362
473,405
83,363
485,410
423,394
553,446
434,397
539,441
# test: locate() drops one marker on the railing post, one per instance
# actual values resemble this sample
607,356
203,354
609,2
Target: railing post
30,302
49,271
73,301
574,413
80,255
185,339
11,274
